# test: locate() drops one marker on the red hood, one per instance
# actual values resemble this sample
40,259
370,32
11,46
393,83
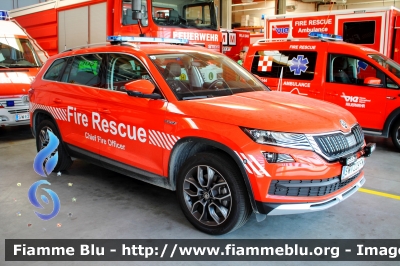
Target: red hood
275,111
16,81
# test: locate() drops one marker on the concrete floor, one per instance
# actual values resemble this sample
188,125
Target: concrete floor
109,205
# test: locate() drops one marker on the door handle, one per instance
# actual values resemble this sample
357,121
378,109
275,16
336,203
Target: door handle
57,100
104,111
390,98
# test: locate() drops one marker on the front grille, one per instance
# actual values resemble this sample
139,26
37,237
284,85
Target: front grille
338,144
17,102
308,188
18,111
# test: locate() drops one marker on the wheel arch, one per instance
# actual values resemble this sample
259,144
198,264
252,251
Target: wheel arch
187,147
390,121
39,116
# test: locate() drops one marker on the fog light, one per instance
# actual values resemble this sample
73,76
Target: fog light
273,157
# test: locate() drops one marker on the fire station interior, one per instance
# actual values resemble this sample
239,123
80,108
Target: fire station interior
101,204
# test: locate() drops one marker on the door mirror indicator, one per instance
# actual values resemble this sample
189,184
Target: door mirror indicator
372,81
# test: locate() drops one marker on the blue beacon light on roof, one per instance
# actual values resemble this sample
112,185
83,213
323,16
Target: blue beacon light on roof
326,36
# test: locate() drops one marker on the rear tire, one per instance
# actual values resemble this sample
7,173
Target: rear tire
395,134
216,205
42,138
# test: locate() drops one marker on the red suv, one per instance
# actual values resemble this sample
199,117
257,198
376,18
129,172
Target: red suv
192,120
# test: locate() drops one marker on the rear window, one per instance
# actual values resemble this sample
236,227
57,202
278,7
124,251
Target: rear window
286,64
55,69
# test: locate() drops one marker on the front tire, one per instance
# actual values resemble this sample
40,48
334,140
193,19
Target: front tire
42,139
212,193
395,134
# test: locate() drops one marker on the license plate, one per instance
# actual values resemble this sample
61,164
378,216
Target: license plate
349,170
24,116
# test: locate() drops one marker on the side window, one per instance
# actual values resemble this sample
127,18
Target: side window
122,69
361,32
391,84
84,70
286,64
55,69
350,70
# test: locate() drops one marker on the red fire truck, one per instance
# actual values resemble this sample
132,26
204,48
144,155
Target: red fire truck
234,41
376,28
59,25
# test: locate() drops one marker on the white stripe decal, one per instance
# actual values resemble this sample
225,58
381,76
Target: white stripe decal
173,137
171,140
251,165
245,166
163,141
167,141
156,137
153,138
259,165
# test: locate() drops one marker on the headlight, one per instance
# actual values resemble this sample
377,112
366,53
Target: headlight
282,139
25,99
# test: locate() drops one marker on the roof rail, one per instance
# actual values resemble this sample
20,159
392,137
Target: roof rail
282,40
84,46
120,39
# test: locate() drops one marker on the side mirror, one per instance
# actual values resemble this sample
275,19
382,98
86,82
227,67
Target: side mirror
136,9
141,88
372,81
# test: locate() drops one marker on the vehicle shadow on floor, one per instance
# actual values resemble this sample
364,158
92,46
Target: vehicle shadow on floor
15,133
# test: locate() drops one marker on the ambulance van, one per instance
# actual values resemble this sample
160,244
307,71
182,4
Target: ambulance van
358,78
19,64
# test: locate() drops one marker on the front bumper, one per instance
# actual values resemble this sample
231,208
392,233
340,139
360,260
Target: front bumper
283,209
8,116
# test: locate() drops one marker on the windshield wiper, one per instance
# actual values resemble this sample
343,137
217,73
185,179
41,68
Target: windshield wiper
22,65
194,97
4,67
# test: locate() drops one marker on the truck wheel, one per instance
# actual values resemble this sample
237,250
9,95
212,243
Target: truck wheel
212,194
395,134
42,139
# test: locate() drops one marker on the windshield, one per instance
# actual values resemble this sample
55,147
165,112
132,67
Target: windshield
387,63
15,52
193,75
182,13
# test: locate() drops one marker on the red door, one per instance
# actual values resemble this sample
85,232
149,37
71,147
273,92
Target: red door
365,29
345,87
